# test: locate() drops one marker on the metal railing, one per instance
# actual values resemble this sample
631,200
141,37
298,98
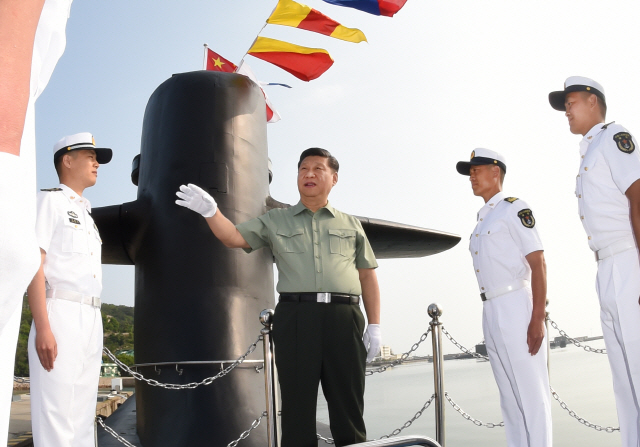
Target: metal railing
435,312
438,398
400,441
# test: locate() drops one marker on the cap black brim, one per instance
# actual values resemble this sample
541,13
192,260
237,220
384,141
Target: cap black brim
464,167
103,155
556,99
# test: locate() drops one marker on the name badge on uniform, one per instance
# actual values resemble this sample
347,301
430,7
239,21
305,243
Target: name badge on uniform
74,221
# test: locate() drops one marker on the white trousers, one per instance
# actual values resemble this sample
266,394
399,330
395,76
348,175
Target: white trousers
63,400
618,285
522,379
19,253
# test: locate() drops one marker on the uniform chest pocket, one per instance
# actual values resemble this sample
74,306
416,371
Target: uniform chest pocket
493,240
342,242
290,240
74,238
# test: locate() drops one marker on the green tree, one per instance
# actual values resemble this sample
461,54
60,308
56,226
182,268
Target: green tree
21,366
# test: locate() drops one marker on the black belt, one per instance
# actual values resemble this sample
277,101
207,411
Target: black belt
320,297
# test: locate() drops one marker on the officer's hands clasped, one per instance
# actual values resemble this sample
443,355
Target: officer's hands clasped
372,340
196,199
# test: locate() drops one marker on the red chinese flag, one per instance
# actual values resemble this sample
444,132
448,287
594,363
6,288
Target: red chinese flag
215,62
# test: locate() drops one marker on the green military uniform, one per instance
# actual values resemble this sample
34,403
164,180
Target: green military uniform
317,342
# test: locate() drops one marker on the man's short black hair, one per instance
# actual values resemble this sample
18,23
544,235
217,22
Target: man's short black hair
319,152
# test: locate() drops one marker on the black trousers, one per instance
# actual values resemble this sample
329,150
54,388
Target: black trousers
320,343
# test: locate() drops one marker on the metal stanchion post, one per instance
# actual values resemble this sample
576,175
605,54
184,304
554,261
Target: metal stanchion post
269,383
546,327
438,374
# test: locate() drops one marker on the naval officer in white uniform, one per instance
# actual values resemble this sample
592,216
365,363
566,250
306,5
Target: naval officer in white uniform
32,39
608,192
509,264
65,343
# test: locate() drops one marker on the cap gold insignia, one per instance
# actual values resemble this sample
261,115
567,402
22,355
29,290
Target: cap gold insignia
473,155
93,140
588,88
495,161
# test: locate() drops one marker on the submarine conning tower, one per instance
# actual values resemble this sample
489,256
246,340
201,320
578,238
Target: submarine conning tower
196,300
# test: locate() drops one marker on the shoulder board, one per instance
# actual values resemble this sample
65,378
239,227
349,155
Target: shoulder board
510,199
607,125
51,189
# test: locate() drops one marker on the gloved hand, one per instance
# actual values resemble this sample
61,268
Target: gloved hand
372,339
197,199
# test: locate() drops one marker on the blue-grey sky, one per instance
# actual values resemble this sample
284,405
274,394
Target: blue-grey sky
433,83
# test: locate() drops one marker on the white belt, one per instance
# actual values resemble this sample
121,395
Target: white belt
516,285
614,249
61,294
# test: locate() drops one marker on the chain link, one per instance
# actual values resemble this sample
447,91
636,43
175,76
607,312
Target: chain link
395,432
245,434
21,379
191,385
412,420
468,417
326,440
574,341
112,432
462,348
402,358
580,419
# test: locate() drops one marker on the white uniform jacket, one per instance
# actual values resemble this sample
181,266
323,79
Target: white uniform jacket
610,163
70,238
504,235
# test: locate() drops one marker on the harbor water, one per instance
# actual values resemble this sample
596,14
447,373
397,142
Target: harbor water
581,379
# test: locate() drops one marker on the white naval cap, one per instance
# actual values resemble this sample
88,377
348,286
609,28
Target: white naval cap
575,84
481,156
82,140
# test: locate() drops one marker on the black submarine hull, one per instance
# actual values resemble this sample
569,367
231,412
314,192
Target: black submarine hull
196,300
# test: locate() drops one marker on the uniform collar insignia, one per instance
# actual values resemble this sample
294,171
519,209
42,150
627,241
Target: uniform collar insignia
80,201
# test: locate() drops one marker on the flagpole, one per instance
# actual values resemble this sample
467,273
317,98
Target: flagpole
204,60
254,41
257,35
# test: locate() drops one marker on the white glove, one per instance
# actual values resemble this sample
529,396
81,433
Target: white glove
371,340
197,199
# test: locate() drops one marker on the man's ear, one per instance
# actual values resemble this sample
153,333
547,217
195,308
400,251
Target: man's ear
66,160
335,178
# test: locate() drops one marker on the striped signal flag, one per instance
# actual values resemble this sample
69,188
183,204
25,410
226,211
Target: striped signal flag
297,15
377,7
302,62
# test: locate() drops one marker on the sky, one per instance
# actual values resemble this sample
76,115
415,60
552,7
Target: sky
434,82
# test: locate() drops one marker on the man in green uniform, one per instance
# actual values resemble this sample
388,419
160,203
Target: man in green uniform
325,263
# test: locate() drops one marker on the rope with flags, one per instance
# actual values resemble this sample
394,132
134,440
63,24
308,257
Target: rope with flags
304,63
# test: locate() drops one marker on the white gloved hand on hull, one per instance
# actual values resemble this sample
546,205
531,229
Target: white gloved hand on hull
372,339
197,199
